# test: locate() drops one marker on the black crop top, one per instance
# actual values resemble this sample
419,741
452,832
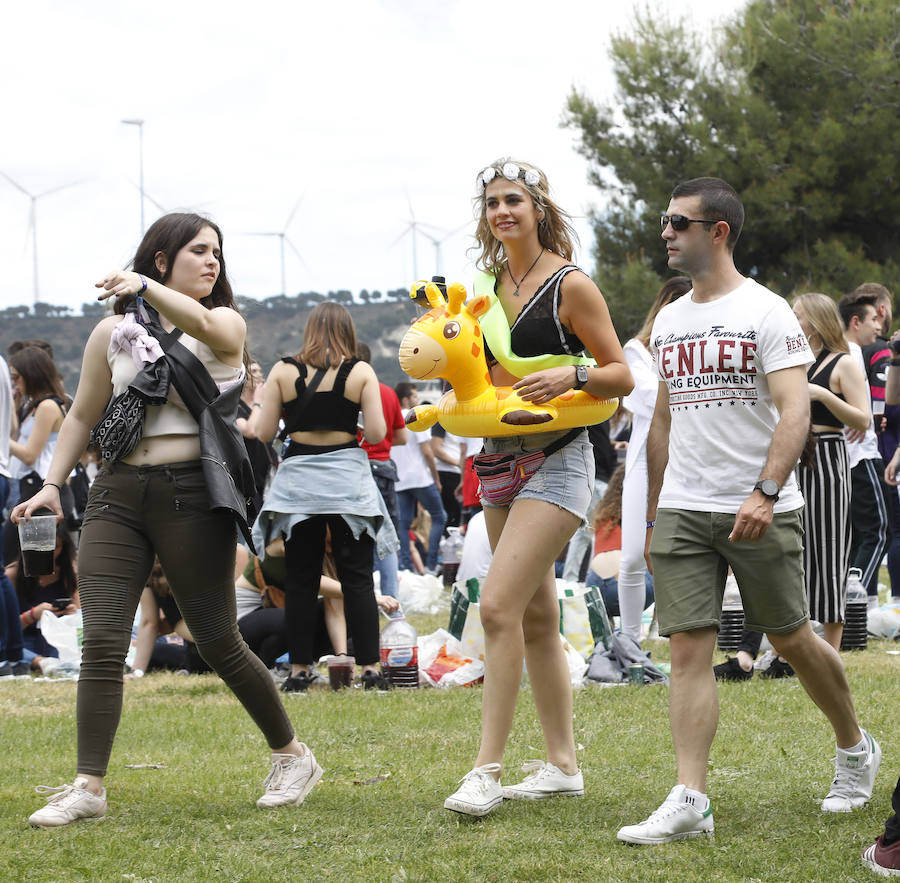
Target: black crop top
819,414
538,330
324,411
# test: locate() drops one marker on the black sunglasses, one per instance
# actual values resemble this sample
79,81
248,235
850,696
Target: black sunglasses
681,223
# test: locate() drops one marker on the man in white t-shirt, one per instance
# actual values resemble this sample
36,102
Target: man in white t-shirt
731,418
869,516
417,482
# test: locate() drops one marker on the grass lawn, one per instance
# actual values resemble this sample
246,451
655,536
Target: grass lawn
391,759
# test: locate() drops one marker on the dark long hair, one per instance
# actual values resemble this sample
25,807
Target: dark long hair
39,375
169,234
671,290
609,510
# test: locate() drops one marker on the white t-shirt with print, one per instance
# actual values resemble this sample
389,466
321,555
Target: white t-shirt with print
714,358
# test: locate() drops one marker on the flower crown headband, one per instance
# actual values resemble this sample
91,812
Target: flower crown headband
511,172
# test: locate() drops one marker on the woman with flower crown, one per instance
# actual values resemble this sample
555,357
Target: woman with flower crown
555,314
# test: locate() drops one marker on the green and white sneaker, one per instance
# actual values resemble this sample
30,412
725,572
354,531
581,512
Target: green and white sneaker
676,819
854,777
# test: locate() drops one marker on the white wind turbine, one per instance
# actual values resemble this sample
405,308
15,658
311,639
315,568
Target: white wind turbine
284,240
32,221
437,241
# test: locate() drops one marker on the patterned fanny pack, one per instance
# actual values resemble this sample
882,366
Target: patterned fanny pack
502,476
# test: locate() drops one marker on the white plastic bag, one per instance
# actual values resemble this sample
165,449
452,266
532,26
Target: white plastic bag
884,621
577,665
421,593
64,633
429,648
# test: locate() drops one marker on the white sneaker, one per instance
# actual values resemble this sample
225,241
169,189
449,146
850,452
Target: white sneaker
49,666
854,777
290,780
68,804
546,780
479,792
674,820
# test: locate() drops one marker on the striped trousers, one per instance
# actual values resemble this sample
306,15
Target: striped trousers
826,525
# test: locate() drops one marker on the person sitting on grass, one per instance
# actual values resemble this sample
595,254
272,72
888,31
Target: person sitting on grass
259,591
38,594
164,640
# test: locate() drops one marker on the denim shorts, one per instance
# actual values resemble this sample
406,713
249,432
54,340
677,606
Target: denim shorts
565,478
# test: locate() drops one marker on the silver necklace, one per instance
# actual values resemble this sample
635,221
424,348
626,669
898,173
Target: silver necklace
517,284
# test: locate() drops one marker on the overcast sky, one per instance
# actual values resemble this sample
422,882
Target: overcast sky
368,112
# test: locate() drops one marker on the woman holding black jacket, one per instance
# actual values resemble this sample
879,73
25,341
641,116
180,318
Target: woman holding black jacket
154,499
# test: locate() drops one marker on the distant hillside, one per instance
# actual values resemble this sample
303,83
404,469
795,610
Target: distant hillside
275,329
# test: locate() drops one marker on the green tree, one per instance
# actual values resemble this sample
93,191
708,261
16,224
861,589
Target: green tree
795,105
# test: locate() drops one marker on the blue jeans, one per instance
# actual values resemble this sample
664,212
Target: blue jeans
11,641
430,498
4,496
387,570
609,590
583,538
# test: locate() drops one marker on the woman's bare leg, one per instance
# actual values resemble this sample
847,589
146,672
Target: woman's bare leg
520,615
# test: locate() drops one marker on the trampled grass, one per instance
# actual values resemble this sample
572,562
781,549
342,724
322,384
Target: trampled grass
391,759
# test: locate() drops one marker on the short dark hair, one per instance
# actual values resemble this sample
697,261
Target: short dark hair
718,201
854,304
404,389
363,353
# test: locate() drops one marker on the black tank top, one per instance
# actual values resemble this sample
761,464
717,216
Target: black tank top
537,330
324,411
819,414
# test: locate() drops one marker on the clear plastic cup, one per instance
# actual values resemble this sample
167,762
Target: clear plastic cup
37,540
340,671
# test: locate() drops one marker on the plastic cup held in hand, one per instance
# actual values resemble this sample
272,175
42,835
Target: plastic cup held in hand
37,540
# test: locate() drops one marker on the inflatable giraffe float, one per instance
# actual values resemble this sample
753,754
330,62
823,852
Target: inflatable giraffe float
446,342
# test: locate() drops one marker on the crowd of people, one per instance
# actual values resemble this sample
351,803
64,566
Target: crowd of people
248,517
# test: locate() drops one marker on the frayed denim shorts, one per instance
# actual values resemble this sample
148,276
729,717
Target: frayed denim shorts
565,479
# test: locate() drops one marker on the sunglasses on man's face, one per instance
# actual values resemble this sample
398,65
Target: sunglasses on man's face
681,223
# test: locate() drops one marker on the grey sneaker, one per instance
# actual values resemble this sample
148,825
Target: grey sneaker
676,819
854,777
68,803
545,780
478,793
290,779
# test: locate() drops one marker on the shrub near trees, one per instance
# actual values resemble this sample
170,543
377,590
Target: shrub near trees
796,105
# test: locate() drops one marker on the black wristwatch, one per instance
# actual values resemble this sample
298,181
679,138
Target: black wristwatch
768,487
581,376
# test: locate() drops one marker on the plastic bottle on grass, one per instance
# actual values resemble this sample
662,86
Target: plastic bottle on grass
855,636
451,548
400,653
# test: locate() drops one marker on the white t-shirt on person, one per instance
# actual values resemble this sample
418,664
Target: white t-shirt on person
412,470
714,358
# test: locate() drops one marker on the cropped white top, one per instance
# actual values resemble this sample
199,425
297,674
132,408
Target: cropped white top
173,418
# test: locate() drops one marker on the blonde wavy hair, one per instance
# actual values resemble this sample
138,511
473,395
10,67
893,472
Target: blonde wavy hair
822,314
555,231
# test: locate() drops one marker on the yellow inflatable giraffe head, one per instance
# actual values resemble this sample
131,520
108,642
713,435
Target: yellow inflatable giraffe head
446,342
